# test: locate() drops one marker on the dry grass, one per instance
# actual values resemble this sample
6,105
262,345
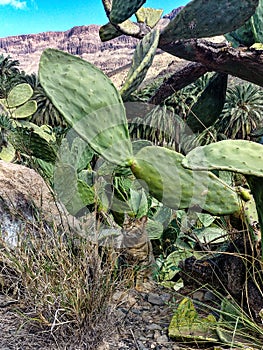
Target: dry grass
67,288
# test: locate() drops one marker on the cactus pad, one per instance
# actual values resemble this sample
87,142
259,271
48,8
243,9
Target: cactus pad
89,102
122,10
141,62
25,110
19,95
240,156
149,16
161,172
202,18
209,105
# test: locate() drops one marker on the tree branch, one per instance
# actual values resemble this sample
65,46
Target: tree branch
242,63
177,81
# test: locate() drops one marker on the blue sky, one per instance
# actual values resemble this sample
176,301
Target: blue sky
35,16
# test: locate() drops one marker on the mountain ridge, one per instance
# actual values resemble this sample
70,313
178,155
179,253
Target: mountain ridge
85,42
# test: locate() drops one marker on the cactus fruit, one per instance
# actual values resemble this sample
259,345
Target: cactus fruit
89,102
122,10
148,16
142,60
202,18
161,172
209,105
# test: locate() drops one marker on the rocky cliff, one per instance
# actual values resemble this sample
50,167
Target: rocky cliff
82,40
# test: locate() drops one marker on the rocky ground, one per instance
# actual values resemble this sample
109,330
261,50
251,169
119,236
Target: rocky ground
142,322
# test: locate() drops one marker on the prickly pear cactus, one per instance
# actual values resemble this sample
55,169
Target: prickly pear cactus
241,156
18,104
148,16
142,60
89,102
25,110
202,18
109,31
251,32
20,94
161,172
122,10
209,105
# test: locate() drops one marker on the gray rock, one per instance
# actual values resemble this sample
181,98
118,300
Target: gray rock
154,327
155,299
162,339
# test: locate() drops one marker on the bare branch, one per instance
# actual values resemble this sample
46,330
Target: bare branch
177,81
243,63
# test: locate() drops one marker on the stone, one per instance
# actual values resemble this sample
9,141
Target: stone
162,339
26,203
154,327
155,299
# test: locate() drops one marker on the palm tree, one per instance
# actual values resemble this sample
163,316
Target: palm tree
242,112
10,74
47,113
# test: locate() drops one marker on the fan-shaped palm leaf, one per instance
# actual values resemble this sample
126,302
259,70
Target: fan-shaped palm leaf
242,112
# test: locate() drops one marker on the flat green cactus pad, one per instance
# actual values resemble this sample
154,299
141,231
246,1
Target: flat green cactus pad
161,172
122,10
19,95
141,62
89,101
25,110
149,16
240,156
202,18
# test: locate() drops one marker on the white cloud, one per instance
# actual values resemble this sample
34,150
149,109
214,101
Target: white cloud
15,3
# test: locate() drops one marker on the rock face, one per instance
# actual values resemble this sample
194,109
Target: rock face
26,203
81,40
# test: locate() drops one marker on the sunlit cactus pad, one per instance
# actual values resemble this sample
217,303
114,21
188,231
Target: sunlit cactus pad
89,102
161,172
241,156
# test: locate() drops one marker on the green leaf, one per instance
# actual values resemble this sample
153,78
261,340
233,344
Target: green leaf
154,229
138,202
211,235
163,215
206,219
170,267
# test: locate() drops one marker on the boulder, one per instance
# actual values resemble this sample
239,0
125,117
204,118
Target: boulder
27,203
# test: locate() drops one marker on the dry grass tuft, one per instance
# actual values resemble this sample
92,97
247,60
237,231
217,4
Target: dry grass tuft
67,288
